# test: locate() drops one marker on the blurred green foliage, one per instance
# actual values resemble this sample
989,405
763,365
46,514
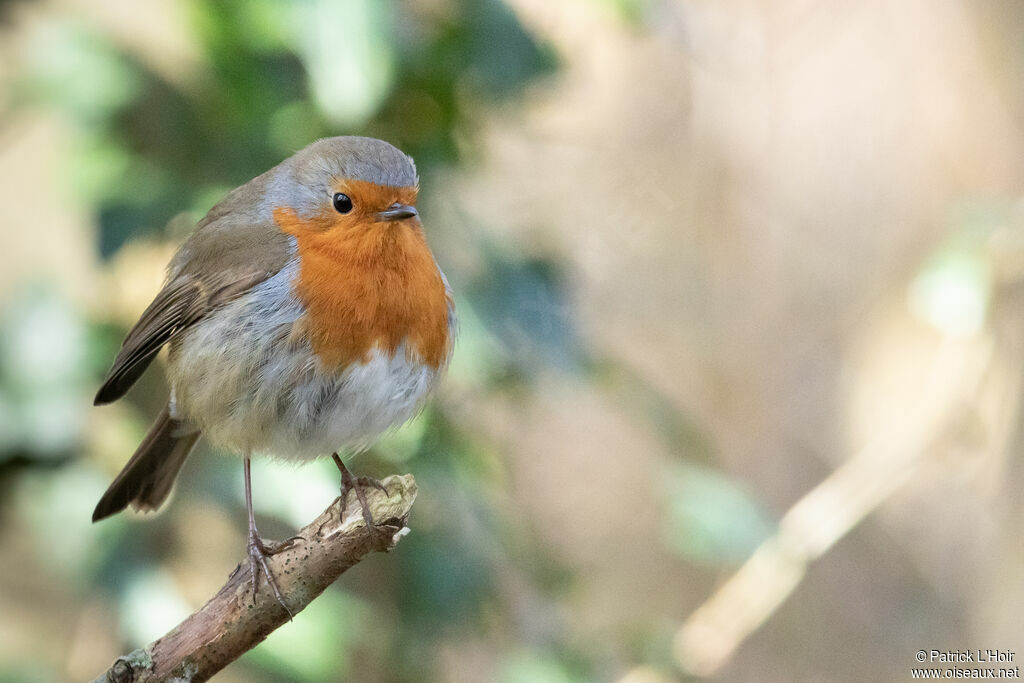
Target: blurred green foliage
151,153
711,519
273,77
953,288
44,375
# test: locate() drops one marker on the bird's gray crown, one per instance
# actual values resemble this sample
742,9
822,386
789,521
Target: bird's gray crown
359,158
304,180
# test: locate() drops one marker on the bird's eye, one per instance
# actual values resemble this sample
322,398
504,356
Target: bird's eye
342,203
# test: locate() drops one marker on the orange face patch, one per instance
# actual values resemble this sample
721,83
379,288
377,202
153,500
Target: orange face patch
365,283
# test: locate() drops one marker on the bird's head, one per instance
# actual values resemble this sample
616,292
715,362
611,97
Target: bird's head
343,187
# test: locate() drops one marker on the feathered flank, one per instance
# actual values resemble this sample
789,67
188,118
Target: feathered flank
179,304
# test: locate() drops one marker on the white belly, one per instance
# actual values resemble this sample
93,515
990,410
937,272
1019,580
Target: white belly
238,377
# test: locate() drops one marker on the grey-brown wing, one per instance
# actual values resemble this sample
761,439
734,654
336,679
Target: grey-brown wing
233,248
182,302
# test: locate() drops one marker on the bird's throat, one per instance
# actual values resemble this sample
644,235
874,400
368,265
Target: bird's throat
368,287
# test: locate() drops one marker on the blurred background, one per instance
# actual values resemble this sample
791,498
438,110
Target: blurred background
737,391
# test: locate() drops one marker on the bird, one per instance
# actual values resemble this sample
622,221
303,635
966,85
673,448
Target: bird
304,316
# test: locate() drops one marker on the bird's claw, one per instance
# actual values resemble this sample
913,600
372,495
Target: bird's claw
259,551
350,482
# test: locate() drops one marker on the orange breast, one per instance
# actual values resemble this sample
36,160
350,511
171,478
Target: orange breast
368,285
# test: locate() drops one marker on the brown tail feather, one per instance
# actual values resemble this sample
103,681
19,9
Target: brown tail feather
148,477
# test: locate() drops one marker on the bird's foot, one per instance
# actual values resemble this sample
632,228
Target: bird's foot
259,551
350,482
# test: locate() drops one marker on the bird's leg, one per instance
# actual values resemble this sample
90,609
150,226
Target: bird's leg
259,551
350,482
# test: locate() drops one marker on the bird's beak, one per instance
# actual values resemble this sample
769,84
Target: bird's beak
397,212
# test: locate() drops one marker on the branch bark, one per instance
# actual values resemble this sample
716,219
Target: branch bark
232,622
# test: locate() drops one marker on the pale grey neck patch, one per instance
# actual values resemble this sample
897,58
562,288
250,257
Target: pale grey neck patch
304,181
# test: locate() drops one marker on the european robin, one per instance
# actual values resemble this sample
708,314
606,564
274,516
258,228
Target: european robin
305,316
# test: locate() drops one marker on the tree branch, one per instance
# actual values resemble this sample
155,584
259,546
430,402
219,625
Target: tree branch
232,623
894,458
